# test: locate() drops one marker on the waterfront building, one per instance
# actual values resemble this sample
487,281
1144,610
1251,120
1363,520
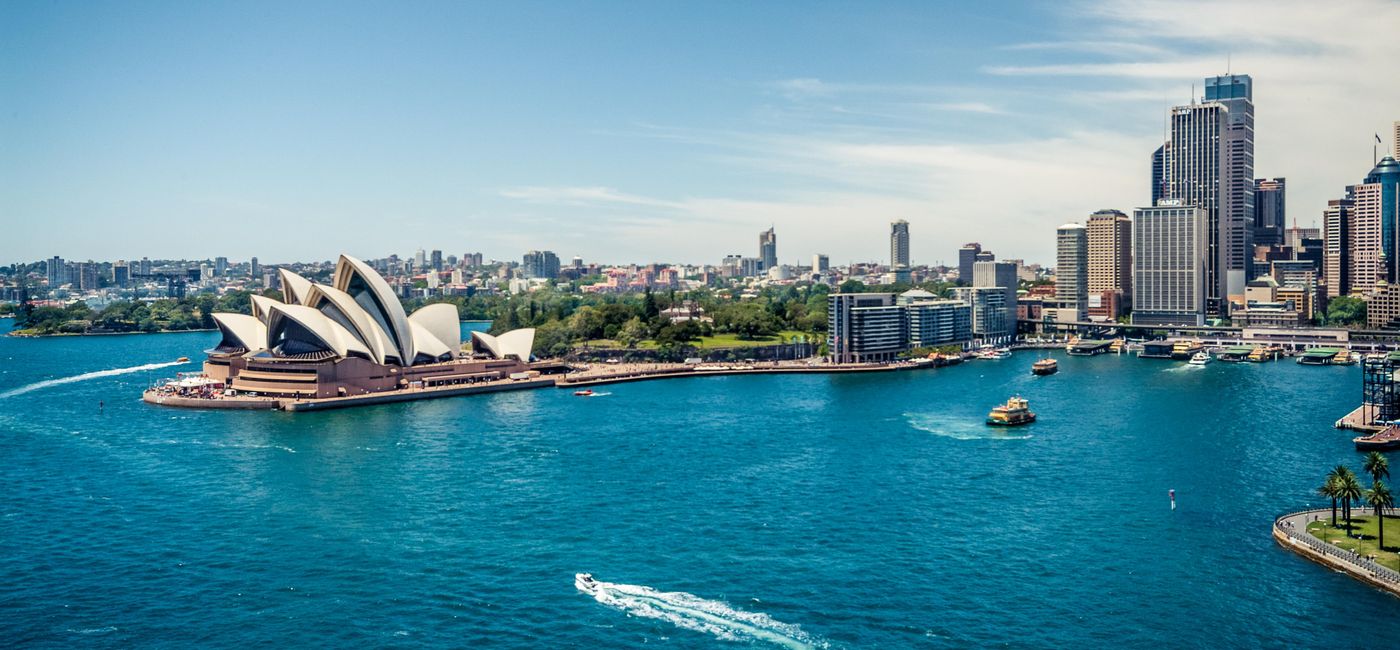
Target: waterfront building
992,319
865,327
1383,306
820,263
935,322
1072,272
352,337
967,256
1110,286
767,250
1170,245
540,264
899,244
912,296
1263,307
1270,216
1001,276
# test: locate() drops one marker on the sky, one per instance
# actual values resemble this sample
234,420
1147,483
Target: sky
645,131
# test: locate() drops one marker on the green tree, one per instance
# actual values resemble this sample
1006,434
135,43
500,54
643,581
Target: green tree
552,339
632,333
1379,498
1350,491
1377,466
587,323
1346,311
649,308
1329,490
853,286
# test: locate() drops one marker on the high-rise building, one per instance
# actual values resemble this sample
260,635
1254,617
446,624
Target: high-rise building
1395,147
1072,271
1386,176
436,260
540,264
967,256
1000,276
576,262
1160,159
56,272
820,263
767,249
1110,235
145,266
254,269
420,259
1209,162
1269,214
899,244
984,256
121,274
221,266
865,327
939,322
1169,264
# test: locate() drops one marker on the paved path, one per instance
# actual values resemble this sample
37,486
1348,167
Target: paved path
1291,531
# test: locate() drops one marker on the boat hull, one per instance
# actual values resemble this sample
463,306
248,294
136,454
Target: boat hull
993,422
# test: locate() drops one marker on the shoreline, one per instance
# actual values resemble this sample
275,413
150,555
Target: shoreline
1298,540
19,335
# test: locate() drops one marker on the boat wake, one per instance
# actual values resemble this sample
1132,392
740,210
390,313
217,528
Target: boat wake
692,612
600,394
941,425
49,383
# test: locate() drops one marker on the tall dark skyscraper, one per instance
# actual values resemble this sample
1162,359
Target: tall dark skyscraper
1159,173
768,249
1269,215
967,256
436,260
1209,162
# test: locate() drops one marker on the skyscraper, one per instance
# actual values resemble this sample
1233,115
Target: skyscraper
1269,215
1169,264
145,266
221,266
1236,92
1110,263
420,259
899,244
56,272
1336,247
967,256
540,264
436,260
1159,172
254,269
121,274
1386,176
1072,270
820,263
767,249
1395,147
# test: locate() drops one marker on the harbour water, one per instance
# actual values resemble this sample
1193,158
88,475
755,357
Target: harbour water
772,511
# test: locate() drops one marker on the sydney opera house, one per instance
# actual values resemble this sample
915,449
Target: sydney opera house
352,337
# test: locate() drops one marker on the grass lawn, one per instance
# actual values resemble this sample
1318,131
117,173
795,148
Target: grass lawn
1366,527
710,342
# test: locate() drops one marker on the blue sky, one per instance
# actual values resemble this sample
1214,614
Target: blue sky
642,131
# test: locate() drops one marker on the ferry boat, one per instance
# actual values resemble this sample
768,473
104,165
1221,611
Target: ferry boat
1200,358
1045,367
1186,349
1015,412
583,393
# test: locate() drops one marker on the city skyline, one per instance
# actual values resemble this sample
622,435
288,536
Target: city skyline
339,124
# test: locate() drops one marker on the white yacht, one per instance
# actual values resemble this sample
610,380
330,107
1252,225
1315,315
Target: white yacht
585,583
1200,358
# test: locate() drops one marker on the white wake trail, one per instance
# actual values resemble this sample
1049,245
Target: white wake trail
86,376
708,616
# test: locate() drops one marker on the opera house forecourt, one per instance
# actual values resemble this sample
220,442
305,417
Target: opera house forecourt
344,344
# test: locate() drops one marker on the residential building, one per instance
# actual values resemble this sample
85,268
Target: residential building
939,322
540,264
865,327
56,272
767,249
1110,286
254,269
121,274
967,255
435,260
820,263
1072,271
1170,249
899,244
993,320
221,267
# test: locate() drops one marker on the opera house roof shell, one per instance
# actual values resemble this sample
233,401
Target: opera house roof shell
357,315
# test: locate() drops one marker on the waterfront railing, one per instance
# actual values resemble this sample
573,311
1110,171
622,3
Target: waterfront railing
1377,571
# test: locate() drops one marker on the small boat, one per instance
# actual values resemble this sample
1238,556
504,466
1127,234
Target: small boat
583,393
183,360
1200,358
585,583
1015,412
989,352
1386,440
1045,367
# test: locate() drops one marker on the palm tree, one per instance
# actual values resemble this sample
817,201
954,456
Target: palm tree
1379,497
1377,466
1329,490
1350,491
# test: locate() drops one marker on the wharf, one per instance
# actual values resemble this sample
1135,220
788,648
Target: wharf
642,372
1089,347
1360,420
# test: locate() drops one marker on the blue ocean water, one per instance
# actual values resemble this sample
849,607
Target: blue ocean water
772,511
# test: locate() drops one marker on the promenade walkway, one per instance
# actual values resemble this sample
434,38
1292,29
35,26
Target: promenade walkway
1291,532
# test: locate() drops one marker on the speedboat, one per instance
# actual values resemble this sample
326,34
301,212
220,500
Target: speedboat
1200,358
584,393
585,583
183,360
